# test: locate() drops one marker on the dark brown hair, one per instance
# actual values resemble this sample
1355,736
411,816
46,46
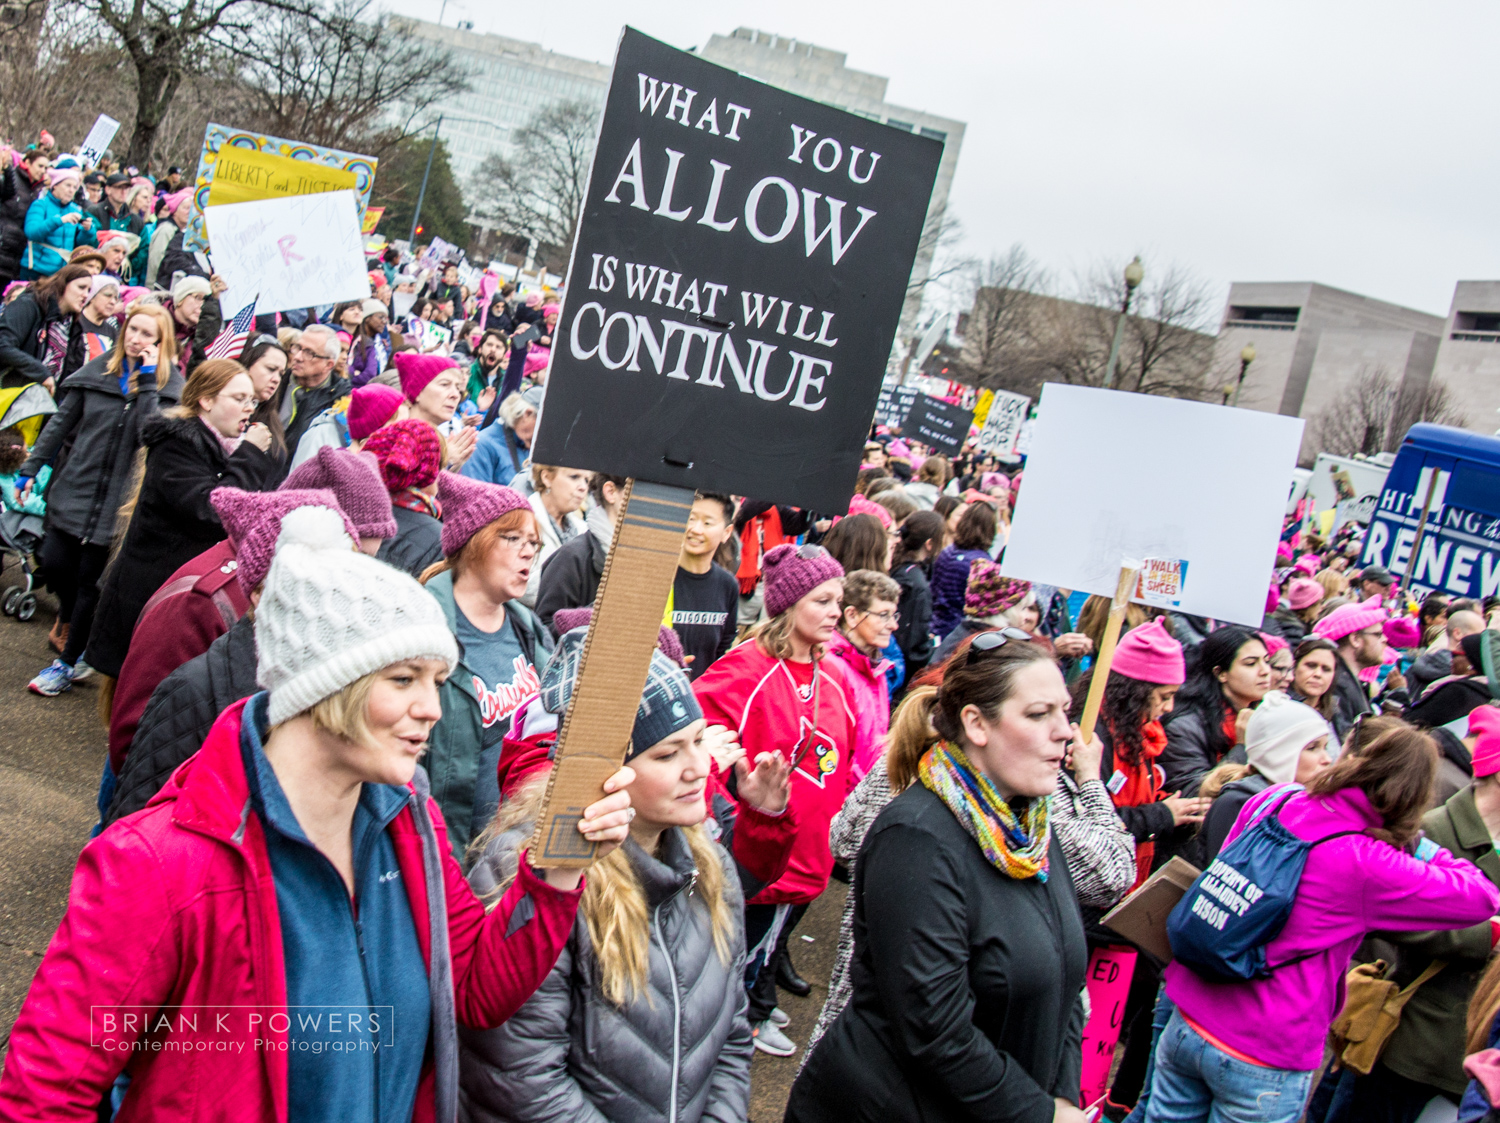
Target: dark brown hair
1123,710
1394,764
976,528
916,532
985,680
51,288
858,542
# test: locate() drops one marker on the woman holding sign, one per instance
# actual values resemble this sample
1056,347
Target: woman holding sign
969,950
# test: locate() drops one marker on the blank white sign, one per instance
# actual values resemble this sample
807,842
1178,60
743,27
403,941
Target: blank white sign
296,252
1113,475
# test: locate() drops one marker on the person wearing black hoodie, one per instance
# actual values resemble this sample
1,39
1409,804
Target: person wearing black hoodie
921,537
20,184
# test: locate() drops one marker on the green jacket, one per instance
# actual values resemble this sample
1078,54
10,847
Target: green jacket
1428,1044
457,740
477,382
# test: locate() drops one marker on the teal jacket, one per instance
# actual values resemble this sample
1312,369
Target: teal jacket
50,240
457,741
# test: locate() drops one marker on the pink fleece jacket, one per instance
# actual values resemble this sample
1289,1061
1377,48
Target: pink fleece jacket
871,697
1350,886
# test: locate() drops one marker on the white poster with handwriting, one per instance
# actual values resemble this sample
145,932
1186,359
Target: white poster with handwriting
295,252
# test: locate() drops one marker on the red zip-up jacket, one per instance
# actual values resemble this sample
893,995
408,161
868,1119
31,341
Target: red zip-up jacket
754,693
174,908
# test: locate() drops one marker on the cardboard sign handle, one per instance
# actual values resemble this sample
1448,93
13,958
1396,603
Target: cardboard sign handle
595,733
1129,572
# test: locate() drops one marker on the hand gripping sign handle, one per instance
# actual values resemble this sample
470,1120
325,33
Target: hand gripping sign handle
1130,571
595,733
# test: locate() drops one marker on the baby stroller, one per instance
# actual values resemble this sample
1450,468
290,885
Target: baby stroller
25,408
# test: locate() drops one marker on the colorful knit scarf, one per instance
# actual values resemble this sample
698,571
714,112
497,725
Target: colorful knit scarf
1016,848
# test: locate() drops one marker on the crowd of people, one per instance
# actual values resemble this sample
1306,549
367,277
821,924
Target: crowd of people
337,613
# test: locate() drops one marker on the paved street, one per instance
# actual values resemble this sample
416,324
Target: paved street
51,753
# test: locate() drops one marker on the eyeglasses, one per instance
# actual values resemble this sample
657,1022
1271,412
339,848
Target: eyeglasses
985,642
298,349
890,619
518,542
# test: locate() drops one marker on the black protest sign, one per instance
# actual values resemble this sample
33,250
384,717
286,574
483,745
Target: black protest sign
894,404
934,422
739,270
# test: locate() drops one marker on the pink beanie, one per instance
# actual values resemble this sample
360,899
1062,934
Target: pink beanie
252,520
354,477
859,505
409,452
1304,592
794,571
1149,654
1403,632
176,199
1284,552
1273,597
471,505
1350,618
1309,563
370,407
417,370
1273,642
1484,726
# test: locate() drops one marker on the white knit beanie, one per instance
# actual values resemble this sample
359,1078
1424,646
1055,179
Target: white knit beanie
1278,732
330,615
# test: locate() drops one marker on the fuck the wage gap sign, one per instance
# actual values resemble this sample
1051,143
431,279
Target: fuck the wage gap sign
734,290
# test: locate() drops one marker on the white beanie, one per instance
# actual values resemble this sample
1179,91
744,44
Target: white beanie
1278,732
330,615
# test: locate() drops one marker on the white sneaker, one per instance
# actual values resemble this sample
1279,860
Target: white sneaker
770,1039
82,671
779,1017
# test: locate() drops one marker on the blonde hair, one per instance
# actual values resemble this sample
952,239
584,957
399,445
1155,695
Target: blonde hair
166,341
1334,584
538,474
207,381
1221,777
614,903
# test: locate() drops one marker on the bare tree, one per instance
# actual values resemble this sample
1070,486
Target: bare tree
1375,413
341,76
999,342
538,193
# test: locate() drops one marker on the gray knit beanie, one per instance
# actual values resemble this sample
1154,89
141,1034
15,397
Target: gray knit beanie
330,615
667,702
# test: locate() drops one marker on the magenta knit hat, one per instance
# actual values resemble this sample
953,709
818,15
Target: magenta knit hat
471,505
1149,654
409,452
1309,563
1304,592
1402,631
1274,643
987,593
794,571
354,477
1350,618
418,370
176,199
370,407
253,522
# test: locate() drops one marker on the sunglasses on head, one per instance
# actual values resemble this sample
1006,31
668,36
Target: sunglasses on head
985,642
808,553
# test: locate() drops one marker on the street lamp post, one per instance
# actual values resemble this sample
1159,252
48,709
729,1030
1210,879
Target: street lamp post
1133,275
1247,356
416,215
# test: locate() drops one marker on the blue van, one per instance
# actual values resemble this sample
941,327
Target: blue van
1460,552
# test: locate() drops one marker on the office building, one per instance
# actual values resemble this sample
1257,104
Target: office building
512,81
1468,359
820,74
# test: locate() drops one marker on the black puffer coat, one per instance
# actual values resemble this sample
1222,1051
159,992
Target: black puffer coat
23,341
17,193
181,712
680,1052
91,442
418,542
172,524
966,983
915,611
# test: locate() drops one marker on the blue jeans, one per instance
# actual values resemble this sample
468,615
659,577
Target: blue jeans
1161,1014
1198,1083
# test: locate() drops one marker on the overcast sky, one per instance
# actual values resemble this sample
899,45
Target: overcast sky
1339,141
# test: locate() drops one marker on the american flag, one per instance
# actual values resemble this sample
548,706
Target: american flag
231,341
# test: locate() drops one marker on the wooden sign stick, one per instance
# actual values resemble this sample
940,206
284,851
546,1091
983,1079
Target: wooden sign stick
1129,572
595,733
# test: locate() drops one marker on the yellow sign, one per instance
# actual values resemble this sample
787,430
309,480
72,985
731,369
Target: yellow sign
982,407
242,175
372,219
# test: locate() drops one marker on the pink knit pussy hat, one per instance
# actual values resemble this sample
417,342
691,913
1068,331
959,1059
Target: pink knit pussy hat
252,519
1149,654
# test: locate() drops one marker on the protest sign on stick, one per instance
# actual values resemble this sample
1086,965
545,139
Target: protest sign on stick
1105,657
738,274
1198,484
1002,424
91,151
1108,982
937,423
296,252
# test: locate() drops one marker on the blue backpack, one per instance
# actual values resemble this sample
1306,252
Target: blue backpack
1240,903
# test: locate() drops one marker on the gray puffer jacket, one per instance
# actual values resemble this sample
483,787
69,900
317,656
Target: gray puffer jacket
680,1053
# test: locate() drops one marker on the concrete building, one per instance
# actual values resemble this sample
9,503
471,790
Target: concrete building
820,74
1313,341
512,81
1468,359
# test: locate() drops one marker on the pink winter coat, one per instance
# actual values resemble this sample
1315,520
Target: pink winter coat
870,694
1350,886
174,907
